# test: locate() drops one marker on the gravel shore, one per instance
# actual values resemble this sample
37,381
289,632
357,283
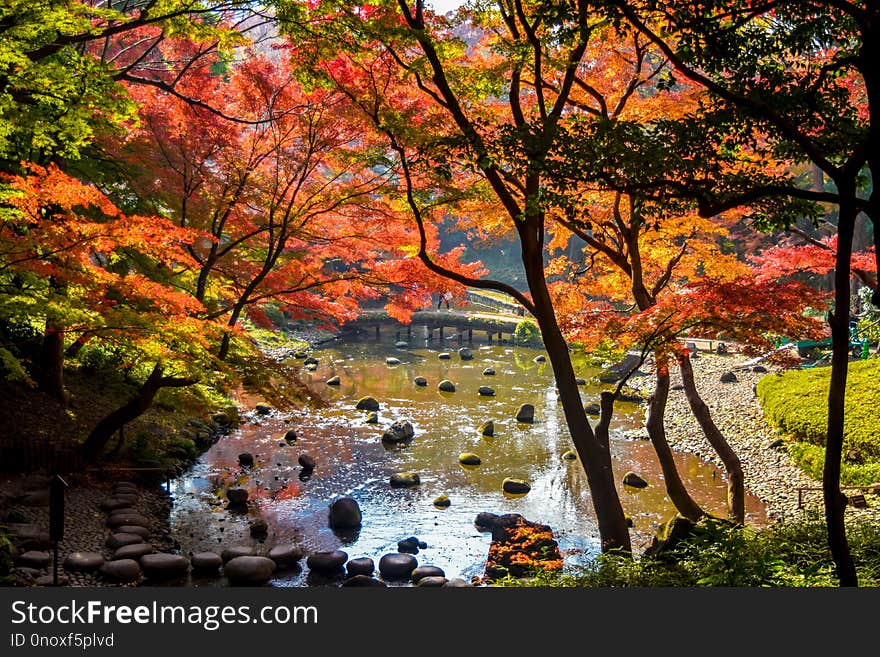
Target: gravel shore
769,472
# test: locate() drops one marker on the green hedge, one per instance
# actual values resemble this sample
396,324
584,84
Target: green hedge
796,402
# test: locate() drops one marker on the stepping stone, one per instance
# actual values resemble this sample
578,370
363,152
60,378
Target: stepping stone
469,458
363,581
237,496
327,562
121,570
405,479
116,541
426,571
526,413
367,404
397,566
361,566
307,462
465,354
345,513
581,382
487,428
249,571
372,418
265,409
49,580
444,356
237,551
35,498
246,459
120,519
311,360
488,372
515,486
290,436
206,563
458,583
401,345
446,386
334,381
143,532
442,501
634,480
486,391
33,559
163,566
134,551
408,545
259,528
114,504
391,360
570,455
539,359
432,582
83,561
285,555
420,381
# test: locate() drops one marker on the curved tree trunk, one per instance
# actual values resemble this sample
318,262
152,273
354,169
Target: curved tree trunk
675,487
97,441
595,454
736,501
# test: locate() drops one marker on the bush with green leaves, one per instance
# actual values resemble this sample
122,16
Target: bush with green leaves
796,402
791,554
527,333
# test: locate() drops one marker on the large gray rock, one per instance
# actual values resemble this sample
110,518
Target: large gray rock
83,561
399,432
345,513
285,555
327,563
116,541
360,566
465,354
525,413
121,570
446,386
405,479
134,551
206,563
367,404
164,566
249,571
397,566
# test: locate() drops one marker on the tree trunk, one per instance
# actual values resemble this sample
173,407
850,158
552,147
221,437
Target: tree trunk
52,362
97,440
736,501
595,455
835,502
76,346
675,487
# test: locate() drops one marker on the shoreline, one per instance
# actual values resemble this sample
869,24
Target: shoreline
769,472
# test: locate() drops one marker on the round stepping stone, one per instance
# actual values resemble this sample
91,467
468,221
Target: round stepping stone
361,566
134,551
446,386
465,354
237,551
143,532
83,561
401,344
237,496
363,581
116,541
33,559
539,359
525,413
164,566
486,391
570,455
372,418
487,428
307,462
420,381
458,583
444,356
426,571
345,513
367,404
290,436
114,504
469,458
442,501
246,459
285,555
408,545
327,562
515,486
334,381
391,360
405,479
397,566
432,582
206,563
265,409
121,570
118,520
581,382
488,372
249,571
634,480
49,580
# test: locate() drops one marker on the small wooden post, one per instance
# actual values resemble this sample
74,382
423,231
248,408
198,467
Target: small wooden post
470,336
378,335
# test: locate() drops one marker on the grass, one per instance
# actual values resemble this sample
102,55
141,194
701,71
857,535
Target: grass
796,403
783,555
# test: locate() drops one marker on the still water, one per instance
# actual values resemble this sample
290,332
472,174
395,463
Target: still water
352,460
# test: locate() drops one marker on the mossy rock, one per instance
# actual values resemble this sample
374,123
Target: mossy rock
405,480
442,501
367,404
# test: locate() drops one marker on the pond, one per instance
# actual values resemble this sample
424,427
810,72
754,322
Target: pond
352,460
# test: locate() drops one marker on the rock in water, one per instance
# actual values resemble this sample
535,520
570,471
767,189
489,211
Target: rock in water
526,413
333,381
515,486
570,455
488,372
307,462
327,563
361,566
237,496
486,391
444,356
372,418
634,480
391,360
465,354
405,479
285,555
345,513
422,572
399,432
540,359
401,345
249,571
487,428
290,436
397,566
420,381
163,566
367,404
263,409
469,458
521,548
442,501
593,409
206,563
446,386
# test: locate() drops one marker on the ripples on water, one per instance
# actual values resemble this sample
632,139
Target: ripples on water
351,460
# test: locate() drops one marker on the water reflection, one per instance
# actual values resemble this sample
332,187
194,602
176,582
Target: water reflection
352,460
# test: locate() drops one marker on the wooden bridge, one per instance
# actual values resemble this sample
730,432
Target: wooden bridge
440,325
